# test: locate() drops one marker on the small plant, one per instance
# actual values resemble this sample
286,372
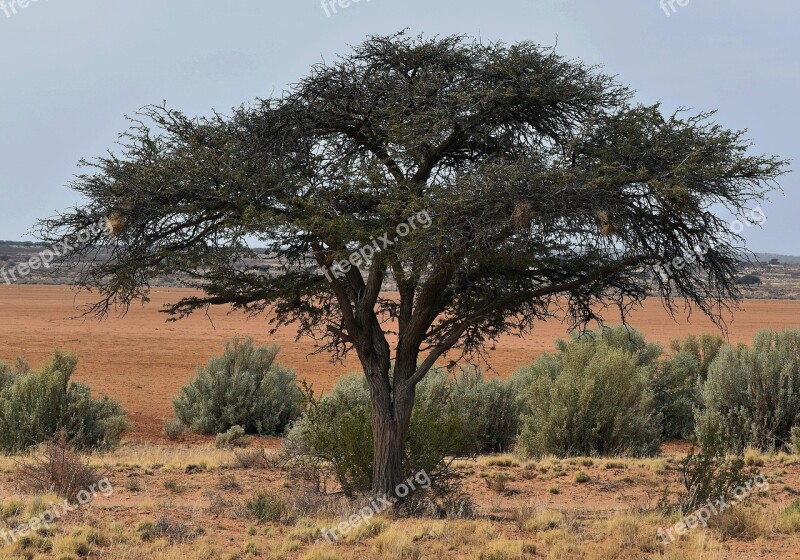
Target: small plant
581,477
166,528
173,428
133,485
234,437
173,486
57,469
709,475
752,458
789,518
228,482
266,506
498,481
251,458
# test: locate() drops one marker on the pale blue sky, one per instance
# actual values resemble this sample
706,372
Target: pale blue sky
71,69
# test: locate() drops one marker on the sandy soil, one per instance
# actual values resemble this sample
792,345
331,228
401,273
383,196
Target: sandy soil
142,360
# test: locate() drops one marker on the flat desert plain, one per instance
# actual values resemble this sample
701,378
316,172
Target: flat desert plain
142,360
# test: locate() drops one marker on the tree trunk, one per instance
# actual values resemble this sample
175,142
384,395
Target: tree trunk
387,465
391,418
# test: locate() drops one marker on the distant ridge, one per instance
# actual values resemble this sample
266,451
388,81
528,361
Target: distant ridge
784,259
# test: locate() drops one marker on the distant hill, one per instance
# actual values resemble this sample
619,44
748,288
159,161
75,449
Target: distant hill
784,259
774,281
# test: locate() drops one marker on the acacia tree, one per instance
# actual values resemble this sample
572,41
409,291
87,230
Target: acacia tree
550,192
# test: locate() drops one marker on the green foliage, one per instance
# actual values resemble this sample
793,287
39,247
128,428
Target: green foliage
335,434
494,406
710,474
235,437
245,387
266,506
571,410
35,405
676,391
703,348
752,394
795,435
749,280
173,428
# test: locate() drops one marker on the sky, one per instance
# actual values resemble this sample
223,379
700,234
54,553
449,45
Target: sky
70,70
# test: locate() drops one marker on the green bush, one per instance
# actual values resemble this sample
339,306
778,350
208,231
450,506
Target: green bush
266,506
334,437
752,393
235,437
710,474
245,387
591,398
795,435
676,388
36,405
703,348
173,428
494,406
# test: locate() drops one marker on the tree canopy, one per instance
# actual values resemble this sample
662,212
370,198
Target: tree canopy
549,190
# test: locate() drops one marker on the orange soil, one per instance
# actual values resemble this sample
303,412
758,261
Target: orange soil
143,361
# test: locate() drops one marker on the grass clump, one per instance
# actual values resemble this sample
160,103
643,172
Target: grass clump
266,506
581,477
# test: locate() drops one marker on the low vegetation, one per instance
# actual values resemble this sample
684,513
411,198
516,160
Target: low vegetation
752,395
242,387
35,405
334,437
570,411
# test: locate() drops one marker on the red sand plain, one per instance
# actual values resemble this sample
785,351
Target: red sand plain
142,361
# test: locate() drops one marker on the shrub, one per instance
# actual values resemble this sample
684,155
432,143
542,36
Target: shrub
570,409
235,437
58,469
266,506
709,474
703,348
795,435
676,388
173,428
749,280
245,387
36,405
334,437
752,395
494,406
788,520
581,477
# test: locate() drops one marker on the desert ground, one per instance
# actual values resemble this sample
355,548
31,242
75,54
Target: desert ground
187,499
